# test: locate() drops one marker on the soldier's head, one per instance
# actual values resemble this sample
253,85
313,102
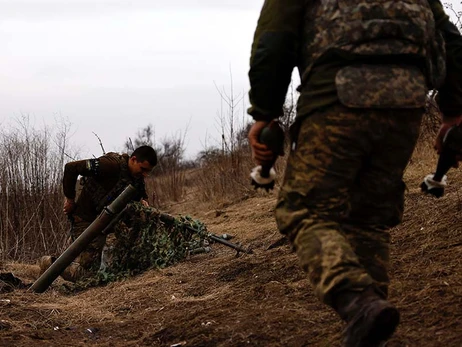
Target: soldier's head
142,161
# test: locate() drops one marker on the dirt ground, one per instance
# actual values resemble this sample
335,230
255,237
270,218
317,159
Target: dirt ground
259,299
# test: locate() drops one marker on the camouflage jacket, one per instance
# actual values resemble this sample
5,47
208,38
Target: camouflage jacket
104,179
321,38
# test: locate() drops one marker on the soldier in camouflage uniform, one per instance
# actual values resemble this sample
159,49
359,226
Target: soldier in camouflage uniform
105,178
365,68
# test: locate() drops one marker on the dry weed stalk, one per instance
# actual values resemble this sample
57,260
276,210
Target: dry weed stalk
31,165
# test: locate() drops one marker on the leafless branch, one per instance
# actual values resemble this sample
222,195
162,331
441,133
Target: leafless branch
100,143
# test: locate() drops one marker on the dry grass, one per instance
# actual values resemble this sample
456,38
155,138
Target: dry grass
263,299
31,163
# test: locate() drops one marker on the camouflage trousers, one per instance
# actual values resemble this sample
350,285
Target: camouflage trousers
343,190
88,262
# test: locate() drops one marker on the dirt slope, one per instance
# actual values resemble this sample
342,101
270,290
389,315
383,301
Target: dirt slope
263,299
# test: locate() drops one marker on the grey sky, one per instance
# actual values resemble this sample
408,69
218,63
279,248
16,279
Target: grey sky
112,66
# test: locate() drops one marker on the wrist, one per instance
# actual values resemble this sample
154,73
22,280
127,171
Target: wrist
258,114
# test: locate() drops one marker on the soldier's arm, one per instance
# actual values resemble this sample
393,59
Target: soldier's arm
97,167
108,166
144,195
274,55
72,170
450,93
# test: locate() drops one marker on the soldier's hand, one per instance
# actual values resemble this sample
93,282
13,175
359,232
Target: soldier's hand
69,206
448,122
260,152
440,136
144,203
445,126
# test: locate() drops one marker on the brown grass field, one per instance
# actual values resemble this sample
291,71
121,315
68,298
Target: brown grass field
260,299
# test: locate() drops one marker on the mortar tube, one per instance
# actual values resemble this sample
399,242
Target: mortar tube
81,242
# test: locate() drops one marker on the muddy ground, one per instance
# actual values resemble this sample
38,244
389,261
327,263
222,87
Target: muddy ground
259,299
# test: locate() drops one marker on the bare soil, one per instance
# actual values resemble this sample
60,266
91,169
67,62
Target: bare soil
259,299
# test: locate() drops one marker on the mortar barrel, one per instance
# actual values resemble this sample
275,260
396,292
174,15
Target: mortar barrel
95,228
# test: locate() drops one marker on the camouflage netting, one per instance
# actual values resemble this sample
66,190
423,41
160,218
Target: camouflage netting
146,239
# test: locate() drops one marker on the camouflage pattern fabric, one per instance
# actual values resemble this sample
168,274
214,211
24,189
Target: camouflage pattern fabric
343,190
370,86
377,28
101,197
103,179
142,241
88,262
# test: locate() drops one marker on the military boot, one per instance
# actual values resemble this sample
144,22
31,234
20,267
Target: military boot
73,272
371,320
45,262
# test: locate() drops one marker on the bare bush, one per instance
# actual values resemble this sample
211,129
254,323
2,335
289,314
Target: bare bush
169,178
144,137
432,119
223,175
225,168
31,164
424,156
455,15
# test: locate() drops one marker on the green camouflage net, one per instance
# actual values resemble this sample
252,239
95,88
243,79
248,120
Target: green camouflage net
147,239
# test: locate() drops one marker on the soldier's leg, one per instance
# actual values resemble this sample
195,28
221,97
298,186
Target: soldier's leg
88,262
377,198
321,192
315,198
371,246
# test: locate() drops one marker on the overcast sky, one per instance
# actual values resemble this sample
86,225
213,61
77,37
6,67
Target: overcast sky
111,67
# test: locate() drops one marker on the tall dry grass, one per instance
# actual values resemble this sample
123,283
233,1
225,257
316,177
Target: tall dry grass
168,181
224,176
31,165
424,158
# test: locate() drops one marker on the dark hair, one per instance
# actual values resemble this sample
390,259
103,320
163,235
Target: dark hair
144,153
